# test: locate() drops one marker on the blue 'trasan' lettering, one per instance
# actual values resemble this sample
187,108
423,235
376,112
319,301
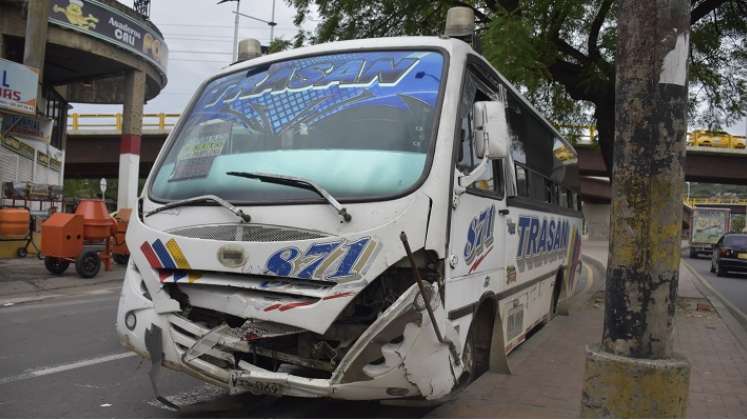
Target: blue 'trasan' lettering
523,225
532,242
353,72
550,234
541,237
386,70
309,75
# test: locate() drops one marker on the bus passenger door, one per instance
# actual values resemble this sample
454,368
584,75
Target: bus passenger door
477,242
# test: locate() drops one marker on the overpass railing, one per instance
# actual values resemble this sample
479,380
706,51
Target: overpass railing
731,201
696,140
113,122
583,134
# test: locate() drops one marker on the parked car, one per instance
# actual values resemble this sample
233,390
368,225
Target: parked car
729,254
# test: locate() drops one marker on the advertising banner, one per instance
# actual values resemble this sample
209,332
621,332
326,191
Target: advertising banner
111,25
18,147
18,87
709,224
34,128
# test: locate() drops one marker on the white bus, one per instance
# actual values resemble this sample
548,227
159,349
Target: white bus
368,219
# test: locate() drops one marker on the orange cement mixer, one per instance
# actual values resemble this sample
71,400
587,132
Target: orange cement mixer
85,238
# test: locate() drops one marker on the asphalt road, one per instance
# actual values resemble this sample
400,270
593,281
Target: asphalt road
733,287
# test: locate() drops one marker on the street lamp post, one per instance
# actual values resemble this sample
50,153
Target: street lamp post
271,23
235,28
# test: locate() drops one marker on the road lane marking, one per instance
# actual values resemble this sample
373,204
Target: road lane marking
65,367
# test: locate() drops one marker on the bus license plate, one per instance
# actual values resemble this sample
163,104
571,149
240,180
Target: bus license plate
239,384
742,256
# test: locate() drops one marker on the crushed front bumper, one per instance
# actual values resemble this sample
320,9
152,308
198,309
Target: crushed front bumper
417,366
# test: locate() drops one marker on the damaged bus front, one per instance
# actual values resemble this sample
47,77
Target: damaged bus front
267,255
355,220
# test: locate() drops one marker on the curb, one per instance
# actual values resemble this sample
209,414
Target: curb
735,320
598,265
577,300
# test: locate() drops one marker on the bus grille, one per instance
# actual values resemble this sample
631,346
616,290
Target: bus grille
247,233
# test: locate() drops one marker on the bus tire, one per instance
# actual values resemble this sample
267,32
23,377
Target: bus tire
476,354
121,259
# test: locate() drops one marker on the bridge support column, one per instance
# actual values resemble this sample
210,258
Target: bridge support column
597,218
129,146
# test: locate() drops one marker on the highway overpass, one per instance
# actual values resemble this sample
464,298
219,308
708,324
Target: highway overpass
93,150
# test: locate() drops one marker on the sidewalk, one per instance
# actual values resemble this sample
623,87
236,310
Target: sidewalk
24,279
547,370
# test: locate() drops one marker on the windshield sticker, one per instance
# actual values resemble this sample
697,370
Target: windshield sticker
310,89
196,157
340,261
479,238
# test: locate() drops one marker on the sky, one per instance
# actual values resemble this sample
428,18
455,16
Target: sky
199,34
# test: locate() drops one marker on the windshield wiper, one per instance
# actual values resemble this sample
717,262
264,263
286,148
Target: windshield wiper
203,199
297,182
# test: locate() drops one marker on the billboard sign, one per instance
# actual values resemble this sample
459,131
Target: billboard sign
18,87
111,25
709,224
34,128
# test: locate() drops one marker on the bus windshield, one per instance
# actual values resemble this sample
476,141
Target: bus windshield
359,124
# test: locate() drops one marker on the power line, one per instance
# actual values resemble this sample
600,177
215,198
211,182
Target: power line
200,52
199,61
222,26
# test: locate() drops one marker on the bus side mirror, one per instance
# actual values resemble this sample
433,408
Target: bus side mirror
490,129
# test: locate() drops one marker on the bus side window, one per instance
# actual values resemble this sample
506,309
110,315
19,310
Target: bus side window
563,198
491,181
549,191
522,187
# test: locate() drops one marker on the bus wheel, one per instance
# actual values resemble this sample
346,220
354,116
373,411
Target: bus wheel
120,259
476,354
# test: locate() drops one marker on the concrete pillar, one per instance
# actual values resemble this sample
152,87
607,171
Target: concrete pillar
35,41
597,218
635,372
129,146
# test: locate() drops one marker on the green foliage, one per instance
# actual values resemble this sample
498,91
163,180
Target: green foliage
279,44
702,190
737,222
560,52
89,188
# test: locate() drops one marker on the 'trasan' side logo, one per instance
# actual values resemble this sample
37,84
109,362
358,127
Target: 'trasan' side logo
541,240
479,238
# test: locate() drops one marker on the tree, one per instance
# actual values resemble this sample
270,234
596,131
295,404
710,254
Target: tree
279,44
561,53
